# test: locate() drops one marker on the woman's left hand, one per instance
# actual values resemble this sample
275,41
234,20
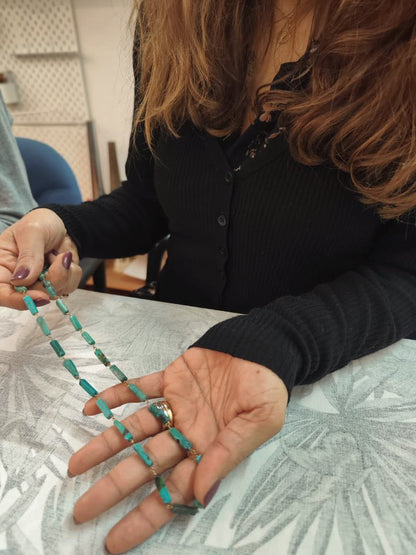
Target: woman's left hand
225,406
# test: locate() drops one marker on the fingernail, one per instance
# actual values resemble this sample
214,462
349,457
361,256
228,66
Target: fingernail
67,260
55,252
70,475
41,302
21,273
211,493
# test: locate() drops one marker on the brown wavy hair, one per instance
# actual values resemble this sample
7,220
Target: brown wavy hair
357,110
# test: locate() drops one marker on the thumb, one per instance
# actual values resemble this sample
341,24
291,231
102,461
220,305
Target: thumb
232,445
31,259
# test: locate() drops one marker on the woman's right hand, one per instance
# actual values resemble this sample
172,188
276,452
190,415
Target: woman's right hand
39,237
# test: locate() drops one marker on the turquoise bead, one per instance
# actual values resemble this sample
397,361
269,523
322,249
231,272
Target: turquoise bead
51,291
161,416
88,338
75,322
30,305
43,325
20,289
163,490
70,366
142,454
56,346
118,373
198,458
184,510
123,430
197,504
104,408
138,392
46,283
180,438
62,306
86,386
101,357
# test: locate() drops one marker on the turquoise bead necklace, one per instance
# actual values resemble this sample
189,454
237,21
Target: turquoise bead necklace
71,367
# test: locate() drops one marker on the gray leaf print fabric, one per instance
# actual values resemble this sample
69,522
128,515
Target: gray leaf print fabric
340,477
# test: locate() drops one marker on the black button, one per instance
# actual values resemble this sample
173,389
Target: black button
222,251
229,177
222,220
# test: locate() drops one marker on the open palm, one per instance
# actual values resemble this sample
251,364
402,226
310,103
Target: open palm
224,405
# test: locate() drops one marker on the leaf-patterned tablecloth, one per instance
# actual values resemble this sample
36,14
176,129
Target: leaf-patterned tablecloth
339,478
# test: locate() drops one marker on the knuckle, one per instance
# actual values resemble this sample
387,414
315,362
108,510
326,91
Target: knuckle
115,484
152,525
154,458
220,444
108,444
176,489
25,254
135,425
118,395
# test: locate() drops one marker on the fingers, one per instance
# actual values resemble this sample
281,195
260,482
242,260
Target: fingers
152,385
23,247
31,254
126,477
30,239
146,519
233,444
68,245
63,273
34,235
10,298
141,424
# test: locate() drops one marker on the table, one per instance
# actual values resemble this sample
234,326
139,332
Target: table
339,478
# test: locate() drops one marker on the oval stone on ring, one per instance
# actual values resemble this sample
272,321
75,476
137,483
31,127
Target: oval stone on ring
162,411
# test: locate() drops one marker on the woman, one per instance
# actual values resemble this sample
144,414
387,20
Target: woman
291,202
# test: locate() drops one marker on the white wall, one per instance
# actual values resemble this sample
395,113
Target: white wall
105,41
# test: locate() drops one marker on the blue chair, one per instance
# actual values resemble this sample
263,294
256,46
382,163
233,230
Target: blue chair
50,176
52,180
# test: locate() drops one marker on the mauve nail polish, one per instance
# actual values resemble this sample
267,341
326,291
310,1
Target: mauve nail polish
41,302
211,493
67,260
21,273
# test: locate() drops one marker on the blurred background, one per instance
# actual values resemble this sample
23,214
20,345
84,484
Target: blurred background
66,76
67,79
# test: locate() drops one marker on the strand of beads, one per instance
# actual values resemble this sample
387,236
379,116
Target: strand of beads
190,450
71,367
89,339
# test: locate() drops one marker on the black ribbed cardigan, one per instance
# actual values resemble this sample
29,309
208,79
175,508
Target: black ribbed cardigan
321,280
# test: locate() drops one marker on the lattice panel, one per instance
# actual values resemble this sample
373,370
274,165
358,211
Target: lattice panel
71,142
38,44
50,91
41,26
